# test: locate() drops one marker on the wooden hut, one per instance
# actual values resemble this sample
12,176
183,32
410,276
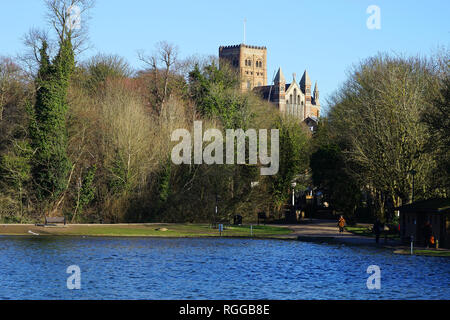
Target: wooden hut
414,216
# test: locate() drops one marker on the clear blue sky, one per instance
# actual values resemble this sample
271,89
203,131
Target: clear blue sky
323,36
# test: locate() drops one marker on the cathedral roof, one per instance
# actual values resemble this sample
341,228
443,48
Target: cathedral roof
288,85
264,91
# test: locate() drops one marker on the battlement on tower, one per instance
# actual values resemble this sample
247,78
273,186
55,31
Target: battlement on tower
242,46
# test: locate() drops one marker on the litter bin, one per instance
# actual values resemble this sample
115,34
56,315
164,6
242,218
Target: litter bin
262,216
237,220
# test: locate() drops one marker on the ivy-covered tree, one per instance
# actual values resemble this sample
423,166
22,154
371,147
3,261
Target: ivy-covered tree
48,133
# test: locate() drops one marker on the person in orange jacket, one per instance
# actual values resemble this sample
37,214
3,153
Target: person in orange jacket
341,224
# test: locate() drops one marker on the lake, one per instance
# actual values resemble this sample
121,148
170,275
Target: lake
212,268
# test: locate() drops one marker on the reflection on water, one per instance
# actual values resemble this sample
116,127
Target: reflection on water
145,268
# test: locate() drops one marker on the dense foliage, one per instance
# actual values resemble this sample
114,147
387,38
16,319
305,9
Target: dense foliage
376,139
91,140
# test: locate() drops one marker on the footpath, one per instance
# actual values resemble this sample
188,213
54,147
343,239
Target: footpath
327,231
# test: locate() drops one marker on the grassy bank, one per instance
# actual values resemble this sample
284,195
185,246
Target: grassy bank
426,252
144,230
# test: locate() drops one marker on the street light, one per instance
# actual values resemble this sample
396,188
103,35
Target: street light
293,193
413,172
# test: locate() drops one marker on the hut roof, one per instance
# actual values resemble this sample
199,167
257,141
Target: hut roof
436,205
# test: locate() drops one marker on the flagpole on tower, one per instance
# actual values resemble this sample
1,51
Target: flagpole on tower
245,26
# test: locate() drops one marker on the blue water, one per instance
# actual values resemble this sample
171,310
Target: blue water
143,268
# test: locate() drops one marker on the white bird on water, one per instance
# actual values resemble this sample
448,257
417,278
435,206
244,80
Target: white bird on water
33,233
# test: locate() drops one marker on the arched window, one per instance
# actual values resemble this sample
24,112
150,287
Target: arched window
249,84
290,99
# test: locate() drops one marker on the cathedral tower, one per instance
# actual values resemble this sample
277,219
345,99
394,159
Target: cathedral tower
250,61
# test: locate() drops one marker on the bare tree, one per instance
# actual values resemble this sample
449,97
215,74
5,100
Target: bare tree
30,58
161,63
65,16
68,18
377,114
11,76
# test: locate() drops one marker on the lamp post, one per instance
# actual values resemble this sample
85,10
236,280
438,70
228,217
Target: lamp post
293,185
413,172
216,210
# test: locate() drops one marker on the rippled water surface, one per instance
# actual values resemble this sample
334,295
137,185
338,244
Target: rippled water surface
143,268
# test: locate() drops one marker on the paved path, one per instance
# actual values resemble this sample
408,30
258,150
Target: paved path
328,231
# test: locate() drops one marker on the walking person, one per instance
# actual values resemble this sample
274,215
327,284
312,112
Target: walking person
377,230
341,224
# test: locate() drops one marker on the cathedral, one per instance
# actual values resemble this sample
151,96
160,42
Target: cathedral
295,99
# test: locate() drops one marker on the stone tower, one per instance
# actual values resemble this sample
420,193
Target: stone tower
250,61
316,94
279,90
305,85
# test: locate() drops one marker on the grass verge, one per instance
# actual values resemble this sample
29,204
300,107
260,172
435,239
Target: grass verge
144,230
426,252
